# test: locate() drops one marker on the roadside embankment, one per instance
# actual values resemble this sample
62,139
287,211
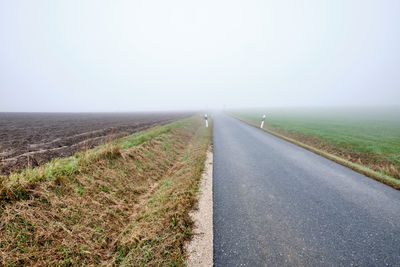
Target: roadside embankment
125,202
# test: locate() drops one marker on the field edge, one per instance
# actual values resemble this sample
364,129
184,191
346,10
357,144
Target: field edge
385,179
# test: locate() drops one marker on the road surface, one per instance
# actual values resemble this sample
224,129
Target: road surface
276,204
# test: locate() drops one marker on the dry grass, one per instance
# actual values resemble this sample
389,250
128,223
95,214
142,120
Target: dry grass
369,160
157,235
125,202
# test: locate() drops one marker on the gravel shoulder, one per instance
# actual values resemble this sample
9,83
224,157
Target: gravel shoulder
200,248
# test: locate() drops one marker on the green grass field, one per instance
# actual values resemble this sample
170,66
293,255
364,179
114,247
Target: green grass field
370,136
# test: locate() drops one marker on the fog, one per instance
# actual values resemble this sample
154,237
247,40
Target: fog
103,55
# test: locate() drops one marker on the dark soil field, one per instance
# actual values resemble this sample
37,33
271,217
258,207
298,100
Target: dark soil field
31,139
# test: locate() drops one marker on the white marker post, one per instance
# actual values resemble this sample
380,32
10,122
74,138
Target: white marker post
205,117
262,122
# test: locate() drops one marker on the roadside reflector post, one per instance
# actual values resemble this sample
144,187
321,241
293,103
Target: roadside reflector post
206,118
262,121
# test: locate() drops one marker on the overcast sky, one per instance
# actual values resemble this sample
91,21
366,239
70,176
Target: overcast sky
103,55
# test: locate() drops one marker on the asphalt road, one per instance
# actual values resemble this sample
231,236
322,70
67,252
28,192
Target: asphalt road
276,204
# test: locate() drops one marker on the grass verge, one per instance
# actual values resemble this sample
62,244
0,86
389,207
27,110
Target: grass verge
126,202
379,176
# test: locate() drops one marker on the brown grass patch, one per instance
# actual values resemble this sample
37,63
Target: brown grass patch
157,235
363,158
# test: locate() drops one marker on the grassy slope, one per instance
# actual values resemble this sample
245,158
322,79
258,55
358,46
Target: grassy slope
368,137
124,202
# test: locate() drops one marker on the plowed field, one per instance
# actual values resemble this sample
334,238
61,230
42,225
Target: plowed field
31,139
